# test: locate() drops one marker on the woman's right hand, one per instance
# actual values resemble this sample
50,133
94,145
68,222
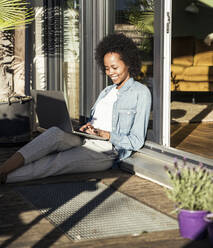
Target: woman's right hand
86,127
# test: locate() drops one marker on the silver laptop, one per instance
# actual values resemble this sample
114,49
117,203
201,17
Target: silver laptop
51,110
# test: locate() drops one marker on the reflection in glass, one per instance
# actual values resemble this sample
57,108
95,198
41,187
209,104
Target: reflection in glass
71,56
135,18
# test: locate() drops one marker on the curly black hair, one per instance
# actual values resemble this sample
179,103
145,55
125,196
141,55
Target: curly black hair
125,47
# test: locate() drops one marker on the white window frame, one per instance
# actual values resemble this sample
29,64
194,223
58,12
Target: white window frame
166,73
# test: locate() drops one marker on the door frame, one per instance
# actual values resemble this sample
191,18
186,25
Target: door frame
161,81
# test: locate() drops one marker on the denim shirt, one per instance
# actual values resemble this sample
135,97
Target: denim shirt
130,116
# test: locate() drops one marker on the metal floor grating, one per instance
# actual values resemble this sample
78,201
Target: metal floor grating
92,210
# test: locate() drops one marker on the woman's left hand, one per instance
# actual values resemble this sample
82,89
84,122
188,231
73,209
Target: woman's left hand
102,133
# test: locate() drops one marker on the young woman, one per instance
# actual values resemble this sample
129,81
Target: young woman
120,114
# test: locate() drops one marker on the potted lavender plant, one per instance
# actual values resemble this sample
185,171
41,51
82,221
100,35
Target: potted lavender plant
191,192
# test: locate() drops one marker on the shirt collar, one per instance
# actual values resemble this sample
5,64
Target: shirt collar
126,86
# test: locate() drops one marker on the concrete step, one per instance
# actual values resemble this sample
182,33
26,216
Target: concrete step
149,162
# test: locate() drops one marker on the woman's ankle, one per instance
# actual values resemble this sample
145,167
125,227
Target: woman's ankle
11,164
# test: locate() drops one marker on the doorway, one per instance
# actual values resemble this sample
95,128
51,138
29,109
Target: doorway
192,78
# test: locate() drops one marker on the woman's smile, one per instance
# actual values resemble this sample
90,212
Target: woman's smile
116,69
114,78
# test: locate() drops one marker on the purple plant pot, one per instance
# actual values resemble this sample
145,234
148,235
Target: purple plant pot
192,224
209,220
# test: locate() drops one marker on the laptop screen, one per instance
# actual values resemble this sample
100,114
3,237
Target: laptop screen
52,110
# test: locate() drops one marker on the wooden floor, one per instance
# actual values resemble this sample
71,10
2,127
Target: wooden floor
196,138
21,225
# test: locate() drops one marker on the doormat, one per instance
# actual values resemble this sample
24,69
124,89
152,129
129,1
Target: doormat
92,210
184,112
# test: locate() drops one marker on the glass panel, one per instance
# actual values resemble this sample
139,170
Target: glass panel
71,56
39,77
135,18
48,45
191,78
56,49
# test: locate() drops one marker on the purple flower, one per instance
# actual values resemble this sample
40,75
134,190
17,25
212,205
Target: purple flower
184,160
176,164
178,175
201,165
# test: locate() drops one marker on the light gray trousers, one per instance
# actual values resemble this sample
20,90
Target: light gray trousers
55,152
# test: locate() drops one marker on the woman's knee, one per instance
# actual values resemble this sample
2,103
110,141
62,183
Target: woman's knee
54,131
53,136
65,140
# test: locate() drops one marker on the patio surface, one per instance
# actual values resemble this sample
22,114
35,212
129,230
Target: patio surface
21,225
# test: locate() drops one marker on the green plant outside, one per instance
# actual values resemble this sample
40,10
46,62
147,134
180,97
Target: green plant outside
208,3
141,15
192,187
144,21
14,14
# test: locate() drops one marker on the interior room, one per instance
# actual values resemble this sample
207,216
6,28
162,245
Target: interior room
192,77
